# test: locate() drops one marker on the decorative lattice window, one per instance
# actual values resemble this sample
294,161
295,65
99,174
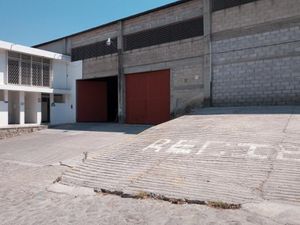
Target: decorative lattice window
46,73
37,79
28,70
25,70
13,71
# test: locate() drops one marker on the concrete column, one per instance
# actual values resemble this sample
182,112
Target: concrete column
121,77
52,108
4,109
207,69
21,107
39,108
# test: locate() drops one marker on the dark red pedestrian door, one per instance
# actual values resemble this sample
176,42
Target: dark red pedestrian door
148,97
91,101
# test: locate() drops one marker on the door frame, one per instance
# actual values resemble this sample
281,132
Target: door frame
47,98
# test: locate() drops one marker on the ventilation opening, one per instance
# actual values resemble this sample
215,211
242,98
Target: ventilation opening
224,4
94,50
169,33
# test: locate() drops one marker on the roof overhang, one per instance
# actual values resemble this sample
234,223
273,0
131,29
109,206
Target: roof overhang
33,51
34,89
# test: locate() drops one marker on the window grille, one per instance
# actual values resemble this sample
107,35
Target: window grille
36,74
46,74
28,70
172,32
94,50
13,71
224,4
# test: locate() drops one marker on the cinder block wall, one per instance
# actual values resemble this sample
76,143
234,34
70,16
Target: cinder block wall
183,58
256,53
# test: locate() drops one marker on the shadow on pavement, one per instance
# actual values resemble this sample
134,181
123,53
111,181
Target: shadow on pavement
102,127
247,110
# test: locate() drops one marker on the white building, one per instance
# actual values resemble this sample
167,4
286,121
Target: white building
36,86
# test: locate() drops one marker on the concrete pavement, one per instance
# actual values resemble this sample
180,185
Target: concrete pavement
233,155
65,143
180,155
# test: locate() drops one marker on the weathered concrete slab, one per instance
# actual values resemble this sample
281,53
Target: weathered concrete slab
234,155
16,130
65,143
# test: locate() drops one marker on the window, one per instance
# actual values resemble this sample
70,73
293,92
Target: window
28,70
169,33
13,71
224,4
36,71
58,98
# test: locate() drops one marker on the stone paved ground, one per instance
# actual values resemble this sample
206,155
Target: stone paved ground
28,166
237,155
24,200
63,143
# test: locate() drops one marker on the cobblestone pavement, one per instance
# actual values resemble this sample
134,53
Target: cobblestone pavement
24,200
233,155
28,169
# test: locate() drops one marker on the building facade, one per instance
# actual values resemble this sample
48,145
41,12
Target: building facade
160,63
36,86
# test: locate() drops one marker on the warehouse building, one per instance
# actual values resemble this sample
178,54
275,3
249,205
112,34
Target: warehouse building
150,67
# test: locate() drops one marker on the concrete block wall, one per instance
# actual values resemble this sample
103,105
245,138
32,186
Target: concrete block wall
163,17
259,66
59,46
184,58
96,35
255,54
100,67
254,13
250,53
185,61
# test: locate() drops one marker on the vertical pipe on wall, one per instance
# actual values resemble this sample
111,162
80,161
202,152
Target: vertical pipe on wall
207,69
121,76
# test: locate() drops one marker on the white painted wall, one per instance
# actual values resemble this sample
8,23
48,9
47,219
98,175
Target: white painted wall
2,66
59,71
66,112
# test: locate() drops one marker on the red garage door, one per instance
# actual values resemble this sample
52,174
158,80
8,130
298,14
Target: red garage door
91,101
148,97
